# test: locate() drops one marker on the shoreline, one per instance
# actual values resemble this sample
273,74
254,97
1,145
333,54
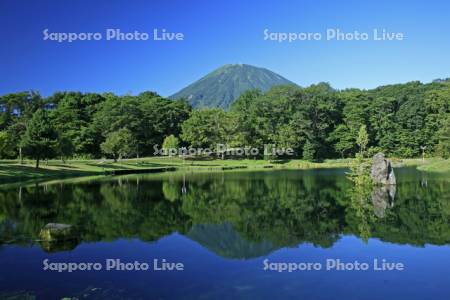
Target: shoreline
13,172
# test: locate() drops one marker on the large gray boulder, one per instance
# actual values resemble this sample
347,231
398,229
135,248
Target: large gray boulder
382,171
57,232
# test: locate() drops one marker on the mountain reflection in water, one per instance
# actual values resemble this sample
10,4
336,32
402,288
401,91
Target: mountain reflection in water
235,215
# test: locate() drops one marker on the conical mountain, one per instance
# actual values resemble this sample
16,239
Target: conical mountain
224,85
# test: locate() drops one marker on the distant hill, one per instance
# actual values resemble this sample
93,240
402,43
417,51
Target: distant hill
224,85
442,80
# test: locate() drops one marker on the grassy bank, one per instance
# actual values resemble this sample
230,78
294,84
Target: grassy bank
437,165
11,171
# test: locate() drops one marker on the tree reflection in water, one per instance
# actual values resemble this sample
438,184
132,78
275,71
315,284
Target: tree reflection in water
236,214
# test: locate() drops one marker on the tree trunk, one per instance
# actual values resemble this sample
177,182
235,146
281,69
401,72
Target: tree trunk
20,155
37,163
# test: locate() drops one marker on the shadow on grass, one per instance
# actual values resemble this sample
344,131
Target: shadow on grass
19,172
8,162
149,164
280,161
202,165
200,158
127,165
65,166
108,166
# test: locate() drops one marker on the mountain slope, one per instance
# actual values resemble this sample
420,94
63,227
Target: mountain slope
223,240
224,85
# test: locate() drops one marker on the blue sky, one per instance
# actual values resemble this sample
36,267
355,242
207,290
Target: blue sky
217,33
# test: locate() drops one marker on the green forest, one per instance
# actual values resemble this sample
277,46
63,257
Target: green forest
318,122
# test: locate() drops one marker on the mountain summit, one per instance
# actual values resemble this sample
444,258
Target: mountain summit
225,84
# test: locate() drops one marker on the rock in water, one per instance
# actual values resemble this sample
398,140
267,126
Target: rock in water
382,171
57,232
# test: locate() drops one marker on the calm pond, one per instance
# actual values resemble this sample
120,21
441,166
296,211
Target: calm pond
233,234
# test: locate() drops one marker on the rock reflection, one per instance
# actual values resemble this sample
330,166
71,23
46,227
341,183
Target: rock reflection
382,199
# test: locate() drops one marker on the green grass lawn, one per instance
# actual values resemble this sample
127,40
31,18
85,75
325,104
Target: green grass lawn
436,165
11,170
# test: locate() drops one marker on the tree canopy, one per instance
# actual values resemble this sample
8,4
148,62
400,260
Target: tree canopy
40,139
317,122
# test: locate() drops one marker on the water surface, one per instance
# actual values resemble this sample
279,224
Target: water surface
223,227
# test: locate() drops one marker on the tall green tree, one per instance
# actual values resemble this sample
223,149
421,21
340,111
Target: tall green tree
72,115
4,144
362,140
244,110
343,139
316,115
206,128
65,147
309,151
147,116
443,146
119,144
170,144
40,139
